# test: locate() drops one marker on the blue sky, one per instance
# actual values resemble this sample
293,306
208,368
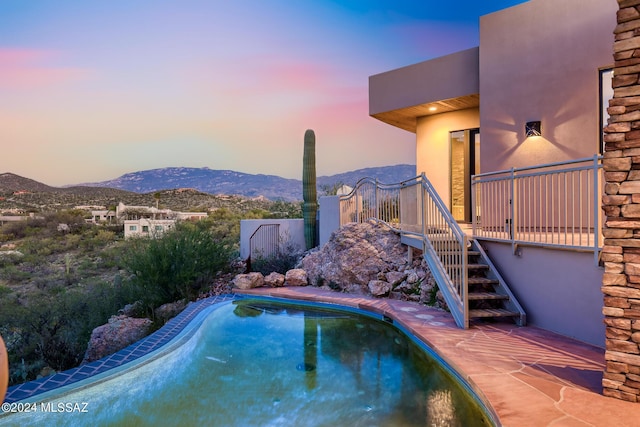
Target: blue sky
90,90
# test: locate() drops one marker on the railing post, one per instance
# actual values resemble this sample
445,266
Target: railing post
358,201
596,210
512,207
375,200
474,208
465,281
423,214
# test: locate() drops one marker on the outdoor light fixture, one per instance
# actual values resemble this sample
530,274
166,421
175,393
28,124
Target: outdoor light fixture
532,129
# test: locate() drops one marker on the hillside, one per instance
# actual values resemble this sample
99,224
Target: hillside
179,189
243,184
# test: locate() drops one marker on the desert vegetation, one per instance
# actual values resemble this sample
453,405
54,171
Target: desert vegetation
60,277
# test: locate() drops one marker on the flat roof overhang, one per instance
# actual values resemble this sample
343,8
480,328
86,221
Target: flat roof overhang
449,83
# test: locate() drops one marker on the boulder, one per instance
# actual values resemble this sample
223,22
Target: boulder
248,280
379,288
274,280
133,310
354,255
395,277
118,333
296,277
170,310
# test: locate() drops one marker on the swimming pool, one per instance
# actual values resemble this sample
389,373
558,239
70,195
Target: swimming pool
266,362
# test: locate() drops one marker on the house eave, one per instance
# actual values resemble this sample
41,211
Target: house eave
448,83
407,118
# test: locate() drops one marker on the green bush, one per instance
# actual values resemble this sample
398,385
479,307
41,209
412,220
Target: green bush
53,329
279,263
177,264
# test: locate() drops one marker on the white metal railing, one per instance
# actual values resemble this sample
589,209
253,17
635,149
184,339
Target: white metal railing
555,204
415,209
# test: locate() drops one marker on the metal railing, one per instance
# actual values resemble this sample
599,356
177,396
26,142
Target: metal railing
555,205
265,242
415,210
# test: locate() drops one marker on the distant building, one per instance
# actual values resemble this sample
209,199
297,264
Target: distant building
147,227
151,221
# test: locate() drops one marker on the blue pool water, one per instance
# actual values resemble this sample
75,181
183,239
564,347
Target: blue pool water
256,362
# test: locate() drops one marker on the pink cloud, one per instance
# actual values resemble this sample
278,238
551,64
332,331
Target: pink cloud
34,69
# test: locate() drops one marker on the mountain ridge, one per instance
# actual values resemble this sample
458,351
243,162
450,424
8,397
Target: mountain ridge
224,181
211,181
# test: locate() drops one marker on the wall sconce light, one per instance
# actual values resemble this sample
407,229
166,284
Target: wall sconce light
532,129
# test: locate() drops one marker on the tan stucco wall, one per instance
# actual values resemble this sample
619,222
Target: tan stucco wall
540,61
433,147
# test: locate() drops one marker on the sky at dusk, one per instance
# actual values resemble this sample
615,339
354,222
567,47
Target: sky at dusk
90,90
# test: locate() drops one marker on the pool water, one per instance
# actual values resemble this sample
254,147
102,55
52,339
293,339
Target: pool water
258,363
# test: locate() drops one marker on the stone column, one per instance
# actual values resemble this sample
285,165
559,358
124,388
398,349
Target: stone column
621,206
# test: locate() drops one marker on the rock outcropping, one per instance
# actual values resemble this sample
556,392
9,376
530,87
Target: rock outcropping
120,332
365,258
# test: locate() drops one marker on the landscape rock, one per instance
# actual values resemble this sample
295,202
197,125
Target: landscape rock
395,277
296,277
274,280
120,332
133,309
354,255
379,288
368,258
11,255
170,310
248,280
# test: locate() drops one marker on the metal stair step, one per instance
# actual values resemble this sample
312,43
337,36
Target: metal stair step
477,266
491,312
476,296
470,253
481,281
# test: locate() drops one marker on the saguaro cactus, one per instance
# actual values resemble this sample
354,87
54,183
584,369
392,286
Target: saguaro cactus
309,196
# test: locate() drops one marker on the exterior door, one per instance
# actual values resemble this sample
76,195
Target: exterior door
465,162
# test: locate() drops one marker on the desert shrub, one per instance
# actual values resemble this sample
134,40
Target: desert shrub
13,274
53,328
177,264
279,263
20,229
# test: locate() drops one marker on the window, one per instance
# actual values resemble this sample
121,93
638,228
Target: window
145,228
133,228
606,93
158,228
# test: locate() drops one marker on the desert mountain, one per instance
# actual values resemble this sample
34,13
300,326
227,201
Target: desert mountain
238,183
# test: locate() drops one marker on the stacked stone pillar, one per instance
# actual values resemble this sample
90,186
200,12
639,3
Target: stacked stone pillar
621,206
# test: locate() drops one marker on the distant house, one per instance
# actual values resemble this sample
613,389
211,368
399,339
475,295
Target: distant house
147,227
150,221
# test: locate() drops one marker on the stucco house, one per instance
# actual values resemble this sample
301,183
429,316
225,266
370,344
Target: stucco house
149,221
509,136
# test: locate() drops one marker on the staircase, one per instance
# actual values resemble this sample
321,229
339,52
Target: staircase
466,277
488,295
